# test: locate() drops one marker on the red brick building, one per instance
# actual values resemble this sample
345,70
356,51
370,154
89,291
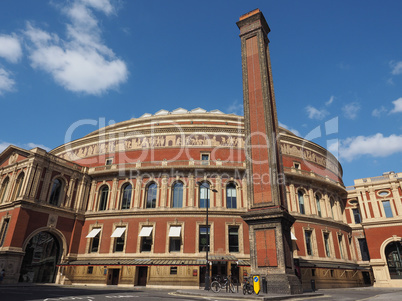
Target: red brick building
374,211
123,205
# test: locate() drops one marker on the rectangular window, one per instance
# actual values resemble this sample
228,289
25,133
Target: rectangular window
356,215
119,236
234,239
296,165
205,159
204,239
204,197
146,244
387,208
109,161
95,237
146,239
326,242
364,249
3,231
90,270
174,239
173,270
340,240
119,244
312,272
309,246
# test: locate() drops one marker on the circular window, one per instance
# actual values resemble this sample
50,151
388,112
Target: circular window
353,202
383,193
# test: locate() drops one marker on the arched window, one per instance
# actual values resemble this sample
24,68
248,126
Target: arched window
301,201
317,199
151,195
55,192
126,196
204,195
3,189
18,186
393,254
177,195
104,193
231,202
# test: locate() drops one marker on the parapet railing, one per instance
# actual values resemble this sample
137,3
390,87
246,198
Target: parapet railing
170,164
311,174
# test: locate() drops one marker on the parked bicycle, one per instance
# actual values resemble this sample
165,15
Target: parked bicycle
222,282
248,287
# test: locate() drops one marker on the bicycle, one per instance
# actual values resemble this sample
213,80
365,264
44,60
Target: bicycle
248,287
222,282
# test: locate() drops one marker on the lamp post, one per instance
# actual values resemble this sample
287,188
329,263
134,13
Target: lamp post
201,184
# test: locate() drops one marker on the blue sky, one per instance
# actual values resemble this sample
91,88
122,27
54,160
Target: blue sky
337,69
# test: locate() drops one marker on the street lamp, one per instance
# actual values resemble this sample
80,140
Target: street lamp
201,184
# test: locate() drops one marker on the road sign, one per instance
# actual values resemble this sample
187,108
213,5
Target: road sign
256,280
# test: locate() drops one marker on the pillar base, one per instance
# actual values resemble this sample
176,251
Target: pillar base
283,284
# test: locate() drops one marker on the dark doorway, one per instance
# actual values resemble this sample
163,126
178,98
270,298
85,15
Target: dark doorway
219,268
366,278
234,270
393,255
114,276
202,276
41,256
142,276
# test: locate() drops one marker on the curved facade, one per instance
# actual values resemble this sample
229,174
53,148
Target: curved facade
127,205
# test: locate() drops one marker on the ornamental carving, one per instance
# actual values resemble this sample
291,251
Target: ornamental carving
138,143
311,156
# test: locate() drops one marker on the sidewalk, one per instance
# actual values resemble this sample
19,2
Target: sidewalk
239,295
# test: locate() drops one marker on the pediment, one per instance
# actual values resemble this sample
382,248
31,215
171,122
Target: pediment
13,154
180,111
162,112
198,110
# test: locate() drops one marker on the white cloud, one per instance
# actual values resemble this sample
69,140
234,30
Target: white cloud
375,146
236,108
350,110
378,112
396,67
331,100
10,48
3,146
294,131
102,5
28,146
397,106
81,62
6,82
314,113
32,145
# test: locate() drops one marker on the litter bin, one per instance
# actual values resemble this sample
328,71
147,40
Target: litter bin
264,285
313,285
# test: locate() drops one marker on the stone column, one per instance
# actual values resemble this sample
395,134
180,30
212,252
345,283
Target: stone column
137,197
92,196
113,199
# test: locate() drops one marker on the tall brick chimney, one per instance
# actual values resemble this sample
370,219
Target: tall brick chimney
268,218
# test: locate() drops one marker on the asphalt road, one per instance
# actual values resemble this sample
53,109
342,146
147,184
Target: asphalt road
359,294
56,293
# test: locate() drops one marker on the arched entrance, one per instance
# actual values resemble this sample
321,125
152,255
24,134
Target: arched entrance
393,255
41,256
